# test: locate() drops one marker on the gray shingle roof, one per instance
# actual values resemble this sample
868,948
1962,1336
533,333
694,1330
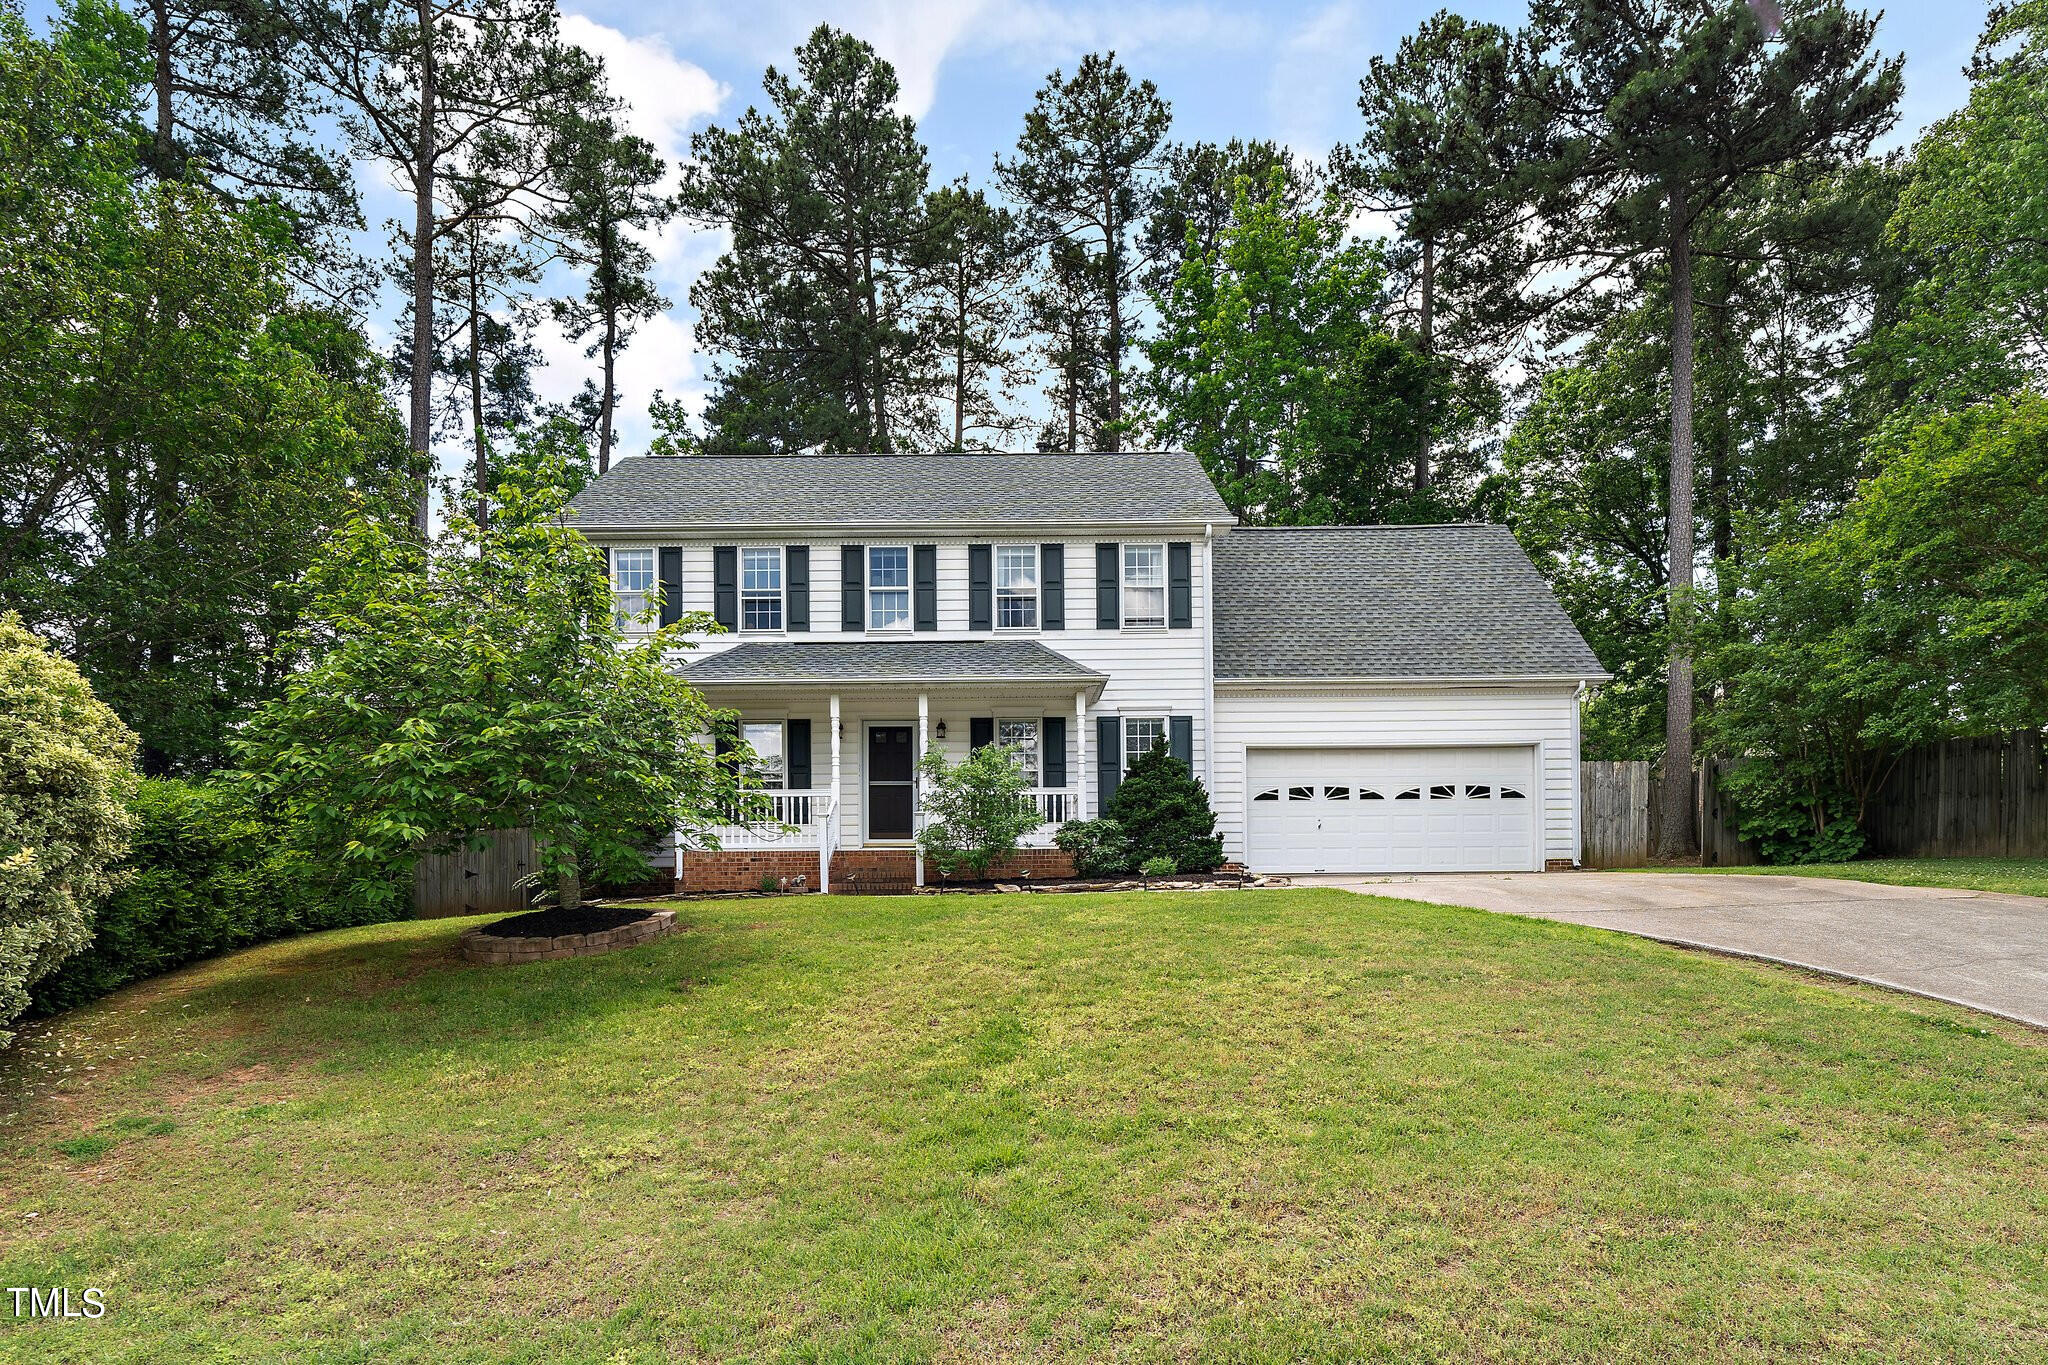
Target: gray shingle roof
1388,602
810,490
766,661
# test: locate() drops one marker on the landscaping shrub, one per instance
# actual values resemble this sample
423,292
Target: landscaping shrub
1165,811
204,876
1158,866
1791,814
66,767
1099,848
976,810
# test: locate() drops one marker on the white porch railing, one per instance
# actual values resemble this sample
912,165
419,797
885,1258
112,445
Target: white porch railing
792,819
806,819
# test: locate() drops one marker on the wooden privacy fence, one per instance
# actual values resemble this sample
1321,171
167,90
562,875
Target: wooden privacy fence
1964,798
481,883
1621,812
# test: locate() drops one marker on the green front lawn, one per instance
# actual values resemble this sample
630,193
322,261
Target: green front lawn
2020,876
1285,1125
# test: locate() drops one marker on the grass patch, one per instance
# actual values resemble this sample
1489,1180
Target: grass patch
1290,1125
2017,876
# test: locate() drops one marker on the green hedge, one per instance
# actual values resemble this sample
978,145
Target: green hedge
205,877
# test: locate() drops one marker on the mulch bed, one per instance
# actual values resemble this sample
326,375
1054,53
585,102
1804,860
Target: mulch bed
554,922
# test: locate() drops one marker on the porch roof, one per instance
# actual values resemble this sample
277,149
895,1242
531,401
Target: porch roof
852,662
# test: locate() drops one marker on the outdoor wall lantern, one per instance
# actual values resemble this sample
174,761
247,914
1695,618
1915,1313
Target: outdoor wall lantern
941,730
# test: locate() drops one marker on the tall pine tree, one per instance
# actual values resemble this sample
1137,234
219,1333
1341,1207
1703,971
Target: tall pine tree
1087,170
812,311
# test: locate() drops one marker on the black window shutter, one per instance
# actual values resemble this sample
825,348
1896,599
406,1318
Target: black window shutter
981,577
1109,760
796,581
607,563
671,584
1180,739
725,596
1180,595
853,611
981,731
1052,590
1108,612
924,580
724,737
1052,752
796,754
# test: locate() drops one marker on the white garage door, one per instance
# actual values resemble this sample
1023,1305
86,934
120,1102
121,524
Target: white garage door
1392,810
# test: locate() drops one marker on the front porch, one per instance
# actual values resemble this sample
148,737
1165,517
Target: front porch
841,756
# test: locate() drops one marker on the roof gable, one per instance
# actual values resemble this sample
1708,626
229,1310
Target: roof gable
1392,602
781,491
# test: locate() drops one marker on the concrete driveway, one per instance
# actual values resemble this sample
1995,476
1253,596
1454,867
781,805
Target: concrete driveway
1974,948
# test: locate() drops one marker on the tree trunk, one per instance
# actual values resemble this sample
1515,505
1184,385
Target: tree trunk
1677,838
420,430
160,48
1112,243
569,888
1428,350
607,402
476,393
960,359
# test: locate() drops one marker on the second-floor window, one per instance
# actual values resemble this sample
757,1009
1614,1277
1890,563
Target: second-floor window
1144,594
888,587
1016,587
761,589
632,582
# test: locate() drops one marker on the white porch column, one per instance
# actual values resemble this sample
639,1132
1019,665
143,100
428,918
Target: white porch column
828,828
1081,752
924,714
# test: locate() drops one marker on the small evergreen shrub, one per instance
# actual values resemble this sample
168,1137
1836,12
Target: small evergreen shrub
1099,848
1158,866
204,876
1165,811
975,810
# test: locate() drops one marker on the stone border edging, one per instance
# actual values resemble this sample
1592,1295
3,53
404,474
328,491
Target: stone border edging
495,951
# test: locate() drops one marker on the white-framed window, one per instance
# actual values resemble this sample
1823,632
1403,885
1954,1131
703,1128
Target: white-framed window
761,588
888,587
632,584
764,737
1022,735
1144,595
1016,587
1140,734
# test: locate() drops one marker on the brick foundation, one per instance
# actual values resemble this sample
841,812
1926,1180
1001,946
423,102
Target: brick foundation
854,870
1558,864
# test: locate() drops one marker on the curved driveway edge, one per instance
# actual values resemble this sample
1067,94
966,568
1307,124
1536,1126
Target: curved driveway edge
1978,949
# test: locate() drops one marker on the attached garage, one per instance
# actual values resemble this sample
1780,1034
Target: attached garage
1393,699
1448,809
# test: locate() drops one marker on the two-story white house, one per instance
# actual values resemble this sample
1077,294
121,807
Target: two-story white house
1356,699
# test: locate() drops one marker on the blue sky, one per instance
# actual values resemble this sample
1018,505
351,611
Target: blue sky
969,69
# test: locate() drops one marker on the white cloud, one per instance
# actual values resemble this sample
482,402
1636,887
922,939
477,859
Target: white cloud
1314,80
665,96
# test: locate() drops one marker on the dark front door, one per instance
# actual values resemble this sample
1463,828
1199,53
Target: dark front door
892,766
